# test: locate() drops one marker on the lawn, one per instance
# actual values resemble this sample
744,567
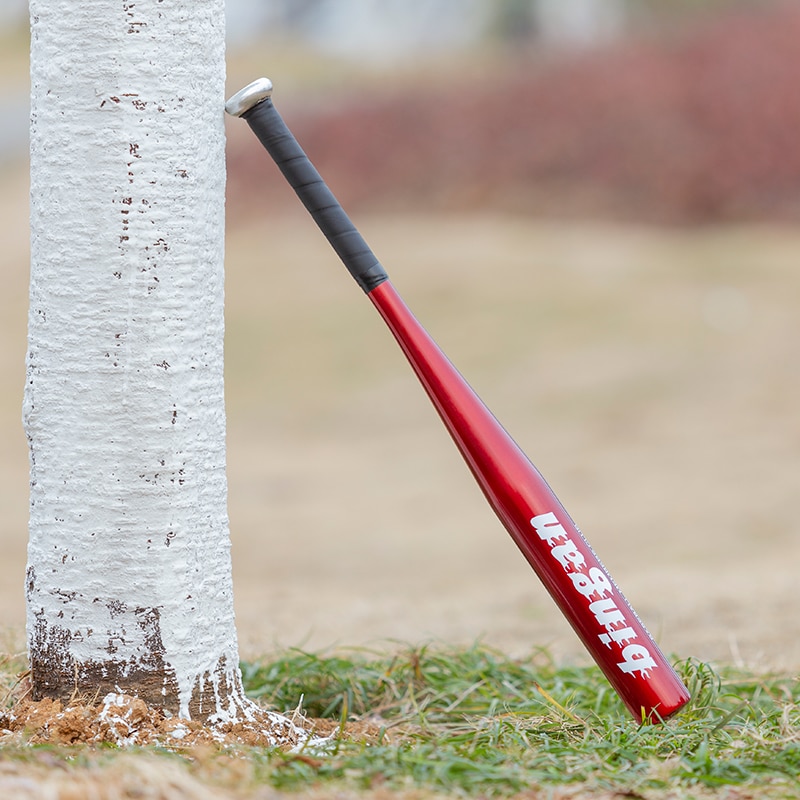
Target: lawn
652,374
466,722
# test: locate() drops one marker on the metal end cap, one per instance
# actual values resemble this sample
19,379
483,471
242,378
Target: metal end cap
250,96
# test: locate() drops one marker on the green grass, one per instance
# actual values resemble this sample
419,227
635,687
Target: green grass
478,723
475,723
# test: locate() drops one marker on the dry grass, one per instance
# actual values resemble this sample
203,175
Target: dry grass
126,776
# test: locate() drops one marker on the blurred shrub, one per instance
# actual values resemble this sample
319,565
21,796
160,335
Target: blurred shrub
696,126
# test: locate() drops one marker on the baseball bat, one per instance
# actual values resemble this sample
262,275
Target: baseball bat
519,495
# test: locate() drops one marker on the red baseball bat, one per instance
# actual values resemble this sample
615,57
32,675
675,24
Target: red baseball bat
519,495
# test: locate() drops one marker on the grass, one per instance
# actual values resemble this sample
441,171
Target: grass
479,723
475,723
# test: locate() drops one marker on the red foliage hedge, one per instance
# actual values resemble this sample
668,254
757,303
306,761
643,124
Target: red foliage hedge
697,127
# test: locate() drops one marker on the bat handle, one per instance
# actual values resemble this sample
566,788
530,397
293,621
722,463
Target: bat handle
254,104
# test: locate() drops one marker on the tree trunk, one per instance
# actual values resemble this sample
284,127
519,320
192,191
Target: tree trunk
129,575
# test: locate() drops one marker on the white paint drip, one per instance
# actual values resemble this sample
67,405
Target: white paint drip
117,712
180,731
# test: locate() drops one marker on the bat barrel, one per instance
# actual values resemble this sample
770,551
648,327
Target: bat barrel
540,526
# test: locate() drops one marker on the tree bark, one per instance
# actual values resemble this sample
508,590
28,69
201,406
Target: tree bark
129,575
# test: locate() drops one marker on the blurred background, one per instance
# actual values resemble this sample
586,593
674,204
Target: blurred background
592,205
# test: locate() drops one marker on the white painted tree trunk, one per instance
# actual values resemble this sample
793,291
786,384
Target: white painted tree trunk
129,575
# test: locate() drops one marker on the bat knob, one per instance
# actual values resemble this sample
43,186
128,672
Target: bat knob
252,94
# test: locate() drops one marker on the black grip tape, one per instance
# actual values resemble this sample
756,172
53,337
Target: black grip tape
319,200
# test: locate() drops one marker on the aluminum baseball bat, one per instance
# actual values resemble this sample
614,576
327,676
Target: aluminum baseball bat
519,495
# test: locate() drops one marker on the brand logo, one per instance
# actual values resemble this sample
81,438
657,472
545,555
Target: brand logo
595,586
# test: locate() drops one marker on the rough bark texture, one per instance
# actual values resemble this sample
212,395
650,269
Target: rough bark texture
129,579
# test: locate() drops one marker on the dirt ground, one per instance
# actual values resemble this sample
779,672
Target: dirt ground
653,376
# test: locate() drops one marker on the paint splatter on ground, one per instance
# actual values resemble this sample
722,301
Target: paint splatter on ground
127,721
